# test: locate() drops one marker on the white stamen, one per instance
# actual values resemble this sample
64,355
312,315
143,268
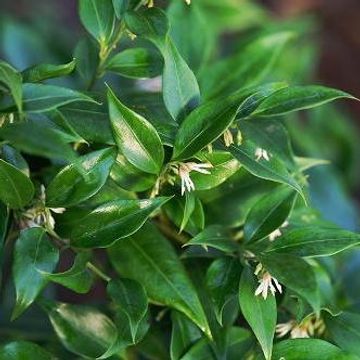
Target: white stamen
266,284
228,138
275,234
184,171
261,154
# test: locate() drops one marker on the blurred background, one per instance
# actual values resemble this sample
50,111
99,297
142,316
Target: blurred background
325,51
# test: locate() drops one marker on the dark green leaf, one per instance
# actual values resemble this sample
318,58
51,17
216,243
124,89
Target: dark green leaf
296,98
83,330
148,258
86,55
270,135
4,218
214,236
269,213
90,121
23,350
14,157
195,46
180,88
253,101
314,241
205,124
224,166
345,330
270,168
107,223
296,274
81,179
38,137
184,333
136,63
78,278
222,279
98,18
151,24
129,177
260,314
42,72
136,137
130,298
13,80
34,253
42,98
16,189
300,349
248,68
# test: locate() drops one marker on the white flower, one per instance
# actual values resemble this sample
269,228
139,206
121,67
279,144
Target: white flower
266,283
275,234
261,154
283,329
228,138
184,170
188,2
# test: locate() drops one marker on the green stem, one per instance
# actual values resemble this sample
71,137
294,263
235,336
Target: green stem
98,272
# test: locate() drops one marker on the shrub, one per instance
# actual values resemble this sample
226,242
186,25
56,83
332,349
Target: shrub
189,184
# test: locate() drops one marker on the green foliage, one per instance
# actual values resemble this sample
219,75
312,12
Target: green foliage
179,164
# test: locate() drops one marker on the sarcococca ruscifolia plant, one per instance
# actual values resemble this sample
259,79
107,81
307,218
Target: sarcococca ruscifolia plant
177,163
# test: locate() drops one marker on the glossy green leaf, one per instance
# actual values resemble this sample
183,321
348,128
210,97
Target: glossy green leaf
16,189
33,253
271,168
4,219
136,137
164,279
86,55
344,330
300,349
90,121
190,202
271,135
205,124
130,298
314,241
296,274
80,180
23,350
214,236
14,157
249,67
253,101
151,24
180,88
43,72
138,63
176,210
78,278
260,314
107,223
12,80
83,330
195,46
269,213
224,166
42,98
129,177
38,137
222,280
307,163
184,333
98,18
296,98
238,343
